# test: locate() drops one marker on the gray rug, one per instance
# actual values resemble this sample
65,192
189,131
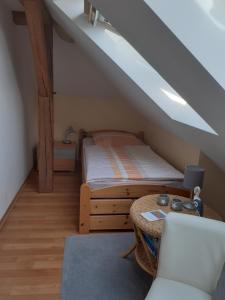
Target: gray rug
94,270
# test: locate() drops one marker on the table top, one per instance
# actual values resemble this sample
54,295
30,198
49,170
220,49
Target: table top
148,203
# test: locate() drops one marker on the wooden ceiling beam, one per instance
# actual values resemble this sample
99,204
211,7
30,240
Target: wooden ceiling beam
41,37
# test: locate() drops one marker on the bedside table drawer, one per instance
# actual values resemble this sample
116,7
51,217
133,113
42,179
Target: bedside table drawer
64,165
64,153
64,156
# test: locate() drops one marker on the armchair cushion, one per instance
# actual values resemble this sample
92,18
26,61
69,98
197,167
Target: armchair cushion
219,293
173,290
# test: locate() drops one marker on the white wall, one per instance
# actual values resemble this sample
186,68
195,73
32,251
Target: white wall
214,188
94,114
27,81
175,150
85,97
75,74
16,147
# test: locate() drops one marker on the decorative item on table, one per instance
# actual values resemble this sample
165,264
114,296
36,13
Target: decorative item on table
163,200
67,135
93,15
193,177
152,243
176,204
198,201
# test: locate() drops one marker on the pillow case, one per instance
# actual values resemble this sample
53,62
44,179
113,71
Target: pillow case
219,293
116,139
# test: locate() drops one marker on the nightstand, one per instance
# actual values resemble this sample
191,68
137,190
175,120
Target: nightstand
153,229
64,156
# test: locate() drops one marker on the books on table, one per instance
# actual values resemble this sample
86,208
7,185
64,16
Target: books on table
154,215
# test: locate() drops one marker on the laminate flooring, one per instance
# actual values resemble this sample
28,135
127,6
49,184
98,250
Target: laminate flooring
32,239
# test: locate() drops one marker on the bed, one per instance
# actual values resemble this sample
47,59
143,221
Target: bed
117,168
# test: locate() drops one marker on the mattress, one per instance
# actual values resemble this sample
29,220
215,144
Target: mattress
128,164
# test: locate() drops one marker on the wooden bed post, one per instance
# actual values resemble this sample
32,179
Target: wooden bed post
84,222
41,36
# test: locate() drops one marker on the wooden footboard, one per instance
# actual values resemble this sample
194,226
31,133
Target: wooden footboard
108,208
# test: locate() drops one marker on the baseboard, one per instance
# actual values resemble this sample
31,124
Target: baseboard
9,209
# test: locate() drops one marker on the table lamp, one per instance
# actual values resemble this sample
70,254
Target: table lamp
67,134
193,177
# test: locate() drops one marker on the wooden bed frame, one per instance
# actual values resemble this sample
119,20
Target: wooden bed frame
108,208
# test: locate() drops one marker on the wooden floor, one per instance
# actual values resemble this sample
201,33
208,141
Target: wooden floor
32,239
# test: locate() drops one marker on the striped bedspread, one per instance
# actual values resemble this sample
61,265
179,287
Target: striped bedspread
130,162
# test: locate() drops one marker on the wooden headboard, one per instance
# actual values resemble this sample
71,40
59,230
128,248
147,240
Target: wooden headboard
83,134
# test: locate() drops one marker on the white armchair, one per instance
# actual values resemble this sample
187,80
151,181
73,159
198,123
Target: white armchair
192,255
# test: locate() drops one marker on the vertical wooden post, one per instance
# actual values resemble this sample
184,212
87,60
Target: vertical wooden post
41,37
85,198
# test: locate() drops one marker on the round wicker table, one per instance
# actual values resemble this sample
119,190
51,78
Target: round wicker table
145,259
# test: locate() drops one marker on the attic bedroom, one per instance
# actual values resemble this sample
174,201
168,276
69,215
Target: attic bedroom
112,159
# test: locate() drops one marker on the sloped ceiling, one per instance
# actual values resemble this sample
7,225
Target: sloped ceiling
144,30
203,36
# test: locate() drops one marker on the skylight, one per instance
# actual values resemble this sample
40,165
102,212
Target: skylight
200,26
146,77
135,66
174,97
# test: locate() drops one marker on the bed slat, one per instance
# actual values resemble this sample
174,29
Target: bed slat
110,206
110,222
135,191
